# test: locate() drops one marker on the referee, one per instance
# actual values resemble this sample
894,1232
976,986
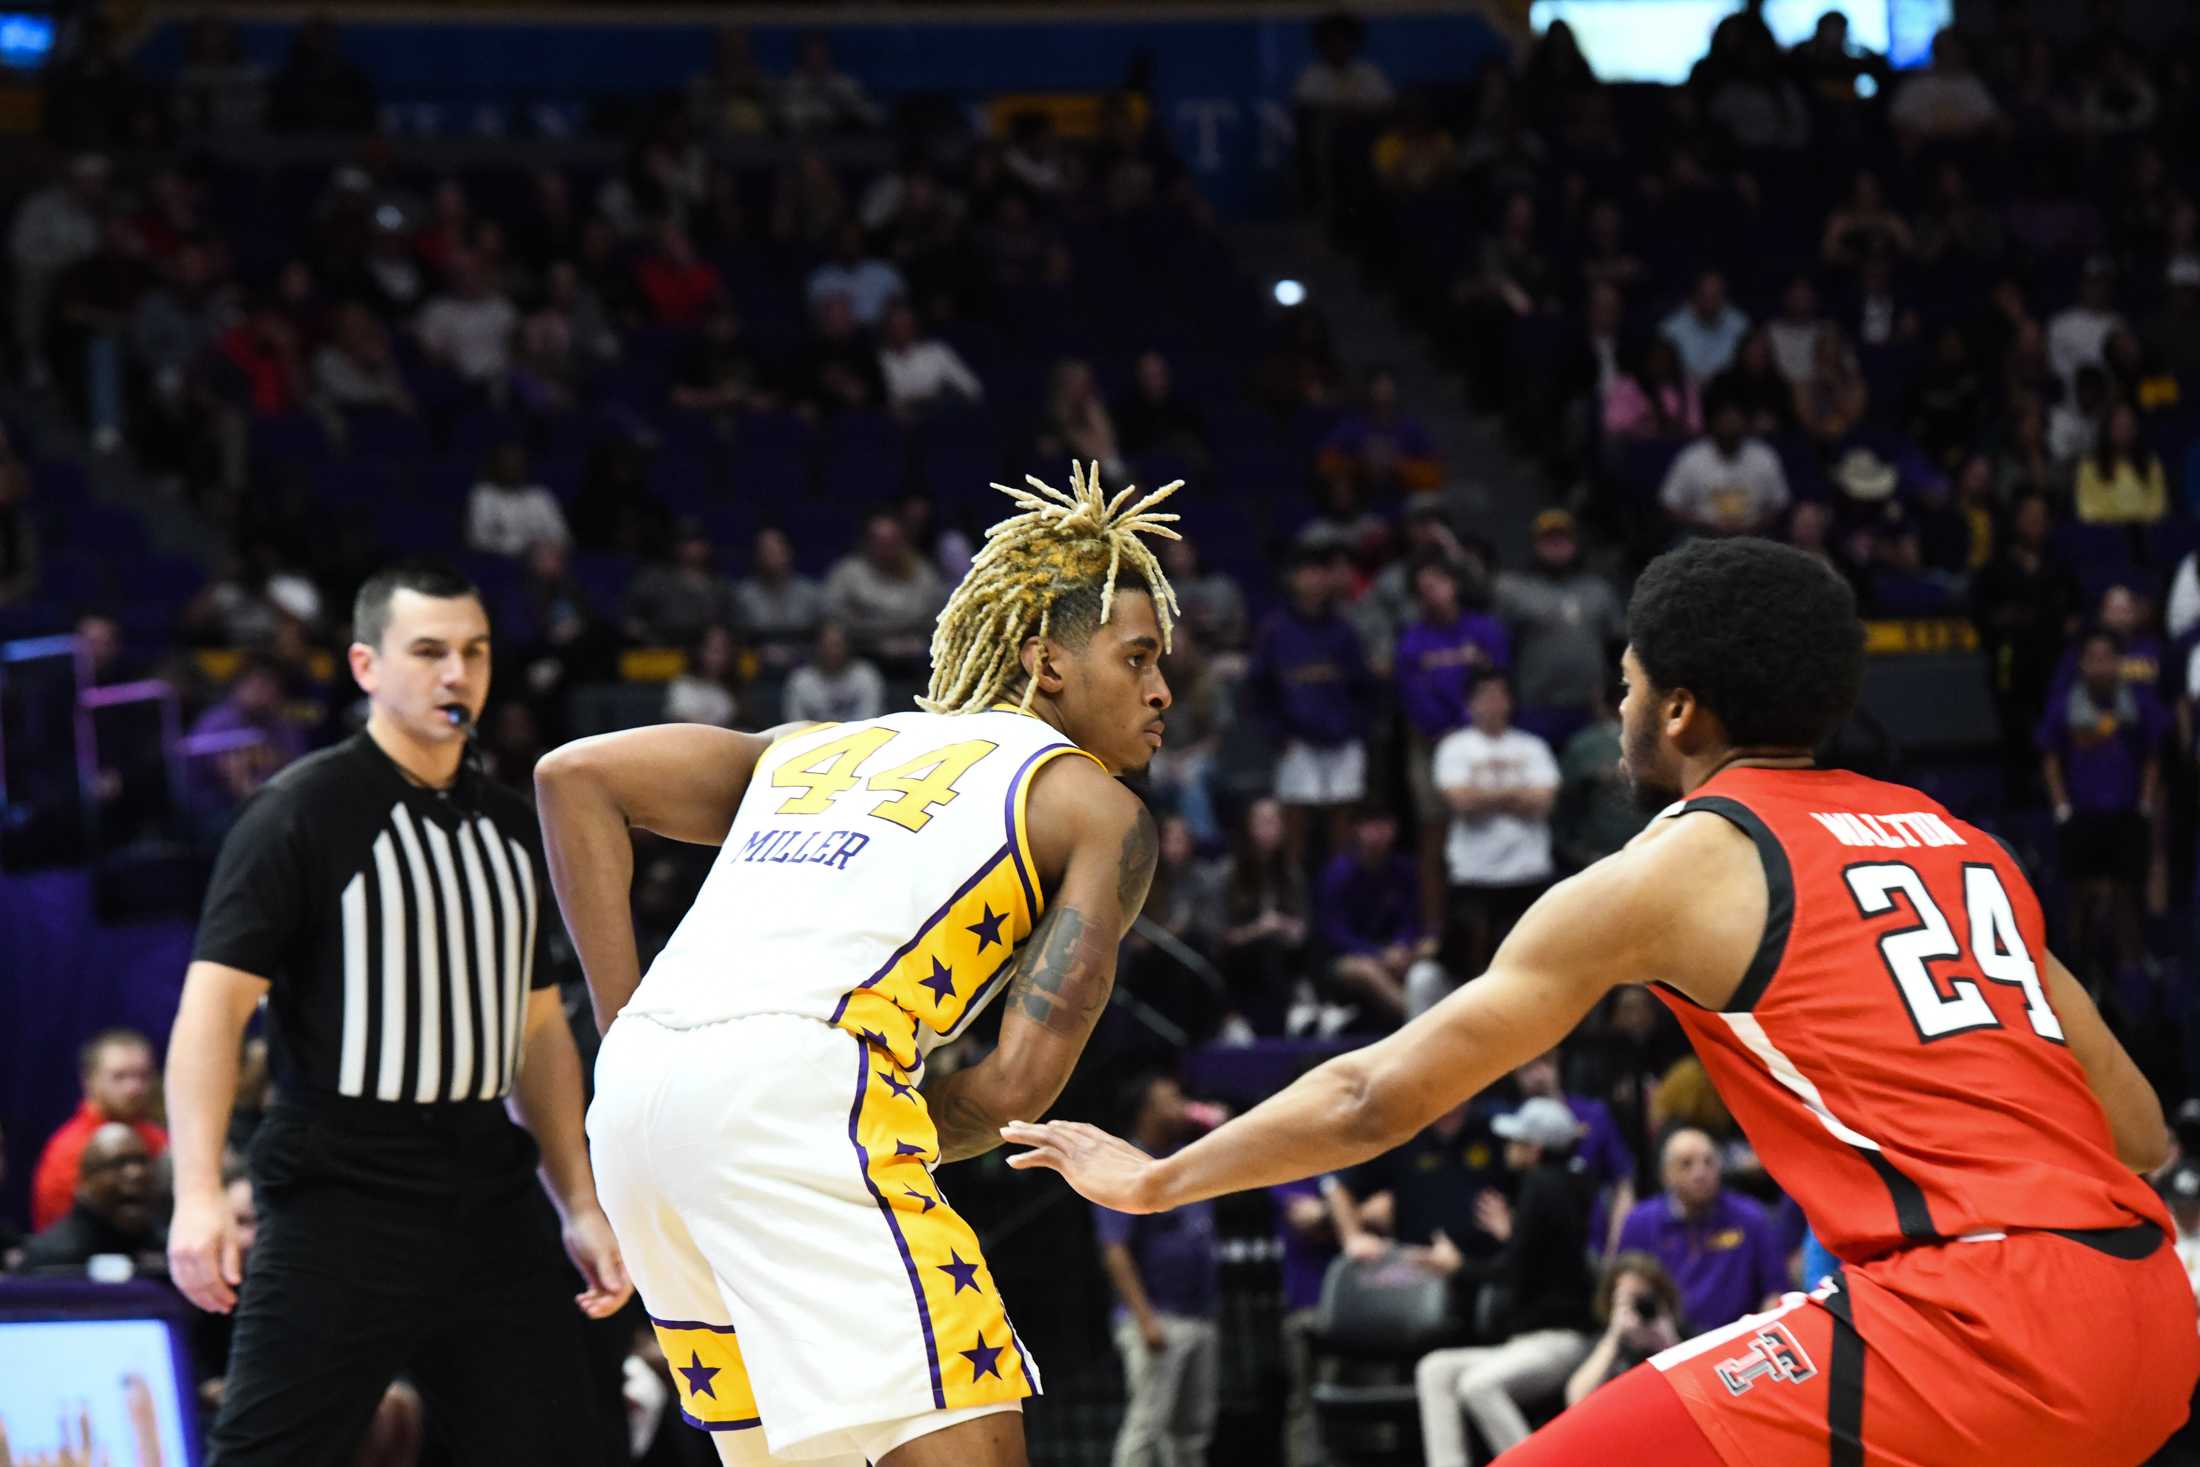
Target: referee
389,905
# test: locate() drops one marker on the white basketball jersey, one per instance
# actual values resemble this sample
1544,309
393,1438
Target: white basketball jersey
877,878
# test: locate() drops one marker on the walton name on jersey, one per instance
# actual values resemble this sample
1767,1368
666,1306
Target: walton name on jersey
1918,828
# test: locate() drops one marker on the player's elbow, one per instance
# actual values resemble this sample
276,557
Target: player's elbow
1019,1088
564,766
1366,1113
2145,1148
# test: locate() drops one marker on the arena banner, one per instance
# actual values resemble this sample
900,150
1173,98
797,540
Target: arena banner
1220,81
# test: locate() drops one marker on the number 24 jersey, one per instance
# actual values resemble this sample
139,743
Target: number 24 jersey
1892,1052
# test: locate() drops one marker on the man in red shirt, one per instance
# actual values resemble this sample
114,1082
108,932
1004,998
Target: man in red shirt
117,1069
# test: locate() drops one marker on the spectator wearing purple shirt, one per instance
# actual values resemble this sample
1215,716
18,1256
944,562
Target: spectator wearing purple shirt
1602,1155
2141,654
1379,450
1309,1245
1309,679
1719,1246
1368,922
1167,1271
2100,746
1440,654
238,744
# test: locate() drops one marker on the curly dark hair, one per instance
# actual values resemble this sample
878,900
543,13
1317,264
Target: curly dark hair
1764,635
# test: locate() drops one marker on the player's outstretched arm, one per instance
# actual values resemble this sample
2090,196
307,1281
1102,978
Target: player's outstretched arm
1101,838
2134,1111
681,780
1598,929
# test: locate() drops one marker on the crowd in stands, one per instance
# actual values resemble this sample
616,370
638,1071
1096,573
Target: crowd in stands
714,442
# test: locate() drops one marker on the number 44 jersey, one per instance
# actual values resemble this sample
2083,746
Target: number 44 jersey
1892,1052
877,877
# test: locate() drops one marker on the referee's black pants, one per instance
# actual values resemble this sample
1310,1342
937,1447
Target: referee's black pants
414,1240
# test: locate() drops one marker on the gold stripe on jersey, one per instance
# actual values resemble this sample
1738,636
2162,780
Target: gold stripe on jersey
959,955
1019,835
707,1370
975,1357
954,957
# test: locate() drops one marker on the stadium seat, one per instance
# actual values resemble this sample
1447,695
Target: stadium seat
1375,1320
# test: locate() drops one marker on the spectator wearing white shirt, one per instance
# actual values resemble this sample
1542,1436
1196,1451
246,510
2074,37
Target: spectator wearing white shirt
2074,424
1336,101
833,687
1708,329
778,609
1948,102
505,514
1500,783
2181,1189
922,372
469,326
54,229
355,367
868,284
1793,334
2078,334
1339,76
2183,612
703,692
820,97
886,595
1727,483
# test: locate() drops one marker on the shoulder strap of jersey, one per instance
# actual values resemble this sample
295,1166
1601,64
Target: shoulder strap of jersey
1779,895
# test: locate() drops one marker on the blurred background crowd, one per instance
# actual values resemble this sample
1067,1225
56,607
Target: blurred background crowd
705,394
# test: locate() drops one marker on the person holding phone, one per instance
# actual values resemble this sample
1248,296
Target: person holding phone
1640,1308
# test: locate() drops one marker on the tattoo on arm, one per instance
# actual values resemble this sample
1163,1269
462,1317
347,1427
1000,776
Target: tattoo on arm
966,1128
1134,867
1061,981
1063,974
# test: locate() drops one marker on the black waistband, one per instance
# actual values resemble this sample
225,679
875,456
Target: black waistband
399,1116
2132,1243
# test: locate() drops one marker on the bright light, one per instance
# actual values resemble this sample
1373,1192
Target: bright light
1289,293
1660,40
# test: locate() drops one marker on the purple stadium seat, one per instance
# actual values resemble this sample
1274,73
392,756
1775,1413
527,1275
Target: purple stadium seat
2095,550
603,577
861,459
957,455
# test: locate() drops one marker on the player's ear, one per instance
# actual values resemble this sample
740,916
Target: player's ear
1041,657
1691,725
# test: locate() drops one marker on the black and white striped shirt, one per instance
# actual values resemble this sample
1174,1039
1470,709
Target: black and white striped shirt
399,928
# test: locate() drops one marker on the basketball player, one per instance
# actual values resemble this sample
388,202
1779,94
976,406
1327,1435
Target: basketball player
1865,978
762,1148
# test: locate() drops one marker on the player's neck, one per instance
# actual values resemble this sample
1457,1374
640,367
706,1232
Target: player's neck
432,766
1046,713
1699,771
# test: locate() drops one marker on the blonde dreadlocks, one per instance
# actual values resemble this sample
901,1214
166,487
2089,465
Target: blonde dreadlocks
1063,544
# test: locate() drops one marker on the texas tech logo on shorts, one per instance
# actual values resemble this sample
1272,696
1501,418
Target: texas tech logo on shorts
1773,1351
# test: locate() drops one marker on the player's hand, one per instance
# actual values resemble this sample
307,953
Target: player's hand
1102,1168
1150,1330
204,1259
1494,1215
595,1252
1366,1247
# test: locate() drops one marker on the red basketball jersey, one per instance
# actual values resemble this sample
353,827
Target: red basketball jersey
1891,1052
